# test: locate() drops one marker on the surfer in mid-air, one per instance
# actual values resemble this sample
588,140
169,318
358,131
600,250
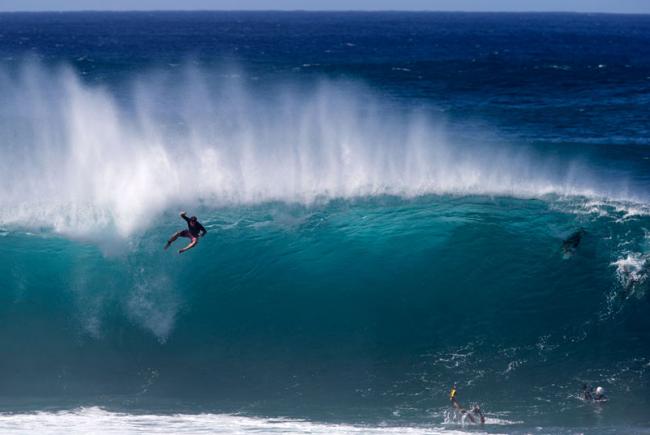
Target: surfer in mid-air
194,231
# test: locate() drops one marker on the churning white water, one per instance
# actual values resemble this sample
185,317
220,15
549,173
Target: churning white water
98,421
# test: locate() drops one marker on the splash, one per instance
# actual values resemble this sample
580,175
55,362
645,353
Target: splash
83,158
632,271
98,420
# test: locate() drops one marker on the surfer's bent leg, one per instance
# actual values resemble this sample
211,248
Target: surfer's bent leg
190,246
173,238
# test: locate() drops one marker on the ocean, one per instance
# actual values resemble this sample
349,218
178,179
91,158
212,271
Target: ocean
395,202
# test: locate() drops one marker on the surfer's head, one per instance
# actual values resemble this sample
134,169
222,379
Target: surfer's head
600,391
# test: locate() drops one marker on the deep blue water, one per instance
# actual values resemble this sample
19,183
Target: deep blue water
386,196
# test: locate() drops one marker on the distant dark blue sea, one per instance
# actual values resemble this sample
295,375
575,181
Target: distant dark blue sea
395,202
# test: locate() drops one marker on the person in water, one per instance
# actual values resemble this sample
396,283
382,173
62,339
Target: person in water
453,399
194,231
571,243
591,395
475,410
599,395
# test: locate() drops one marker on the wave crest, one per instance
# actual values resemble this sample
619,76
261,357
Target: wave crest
85,158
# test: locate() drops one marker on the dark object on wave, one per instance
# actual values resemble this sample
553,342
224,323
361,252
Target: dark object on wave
570,244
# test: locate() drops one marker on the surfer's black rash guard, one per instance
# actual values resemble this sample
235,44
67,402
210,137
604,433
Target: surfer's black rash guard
195,229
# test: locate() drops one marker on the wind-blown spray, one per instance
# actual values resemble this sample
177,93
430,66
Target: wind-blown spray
82,158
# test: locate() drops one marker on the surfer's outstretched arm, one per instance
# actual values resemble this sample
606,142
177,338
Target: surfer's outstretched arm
184,216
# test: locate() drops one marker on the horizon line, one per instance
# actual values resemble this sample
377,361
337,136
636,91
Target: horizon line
415,11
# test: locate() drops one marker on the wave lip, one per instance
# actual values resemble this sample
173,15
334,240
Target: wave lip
81,158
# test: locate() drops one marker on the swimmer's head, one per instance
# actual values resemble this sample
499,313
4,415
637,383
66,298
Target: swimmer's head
600,391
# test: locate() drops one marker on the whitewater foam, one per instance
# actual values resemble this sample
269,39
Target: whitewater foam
98,421
632,270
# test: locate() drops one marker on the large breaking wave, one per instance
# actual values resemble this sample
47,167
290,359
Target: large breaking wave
356,251
82,157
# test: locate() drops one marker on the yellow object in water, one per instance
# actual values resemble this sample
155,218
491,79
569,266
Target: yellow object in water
452,394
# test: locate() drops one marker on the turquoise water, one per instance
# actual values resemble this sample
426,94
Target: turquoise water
386,196
380,303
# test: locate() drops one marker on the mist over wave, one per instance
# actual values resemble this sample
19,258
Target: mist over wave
86,158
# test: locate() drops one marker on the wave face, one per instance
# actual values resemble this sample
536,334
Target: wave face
381,303
394,203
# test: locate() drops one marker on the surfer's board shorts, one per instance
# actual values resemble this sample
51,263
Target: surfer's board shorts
186,233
